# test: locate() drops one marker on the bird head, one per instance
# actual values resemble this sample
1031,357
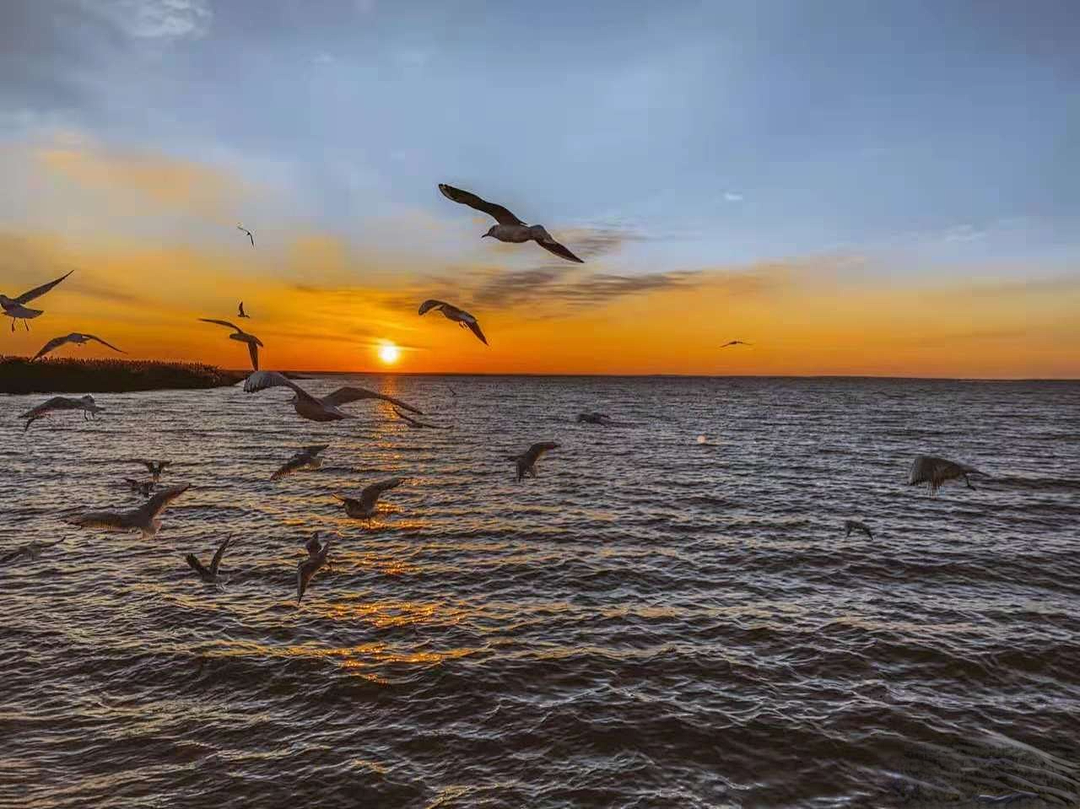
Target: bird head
491,231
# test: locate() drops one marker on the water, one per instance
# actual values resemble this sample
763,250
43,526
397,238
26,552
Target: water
651,622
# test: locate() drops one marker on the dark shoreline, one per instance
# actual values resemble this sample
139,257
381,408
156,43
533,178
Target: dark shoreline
18,375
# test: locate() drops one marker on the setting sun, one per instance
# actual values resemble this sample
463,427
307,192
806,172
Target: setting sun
389,353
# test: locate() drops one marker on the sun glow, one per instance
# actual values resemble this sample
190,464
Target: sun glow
389,353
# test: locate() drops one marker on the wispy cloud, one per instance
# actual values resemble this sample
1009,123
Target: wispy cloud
155,19
731,196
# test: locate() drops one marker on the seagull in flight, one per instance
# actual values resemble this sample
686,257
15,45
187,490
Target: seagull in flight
250,235
155,468
30,552
241,312
57,403
209,574
526,461
735,343
144,518
306,458
416,423
459,316
78,338
143,487
855,525
313,408
509,227
599,418
253,342
936,471
306,568
367,504
13,307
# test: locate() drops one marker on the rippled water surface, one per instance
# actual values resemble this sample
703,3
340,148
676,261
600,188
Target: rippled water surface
651,622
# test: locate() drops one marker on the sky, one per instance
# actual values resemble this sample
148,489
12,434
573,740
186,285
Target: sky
885,188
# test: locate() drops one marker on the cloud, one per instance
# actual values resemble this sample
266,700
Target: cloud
731,196
155,19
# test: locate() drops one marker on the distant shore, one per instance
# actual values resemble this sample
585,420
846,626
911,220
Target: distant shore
19,375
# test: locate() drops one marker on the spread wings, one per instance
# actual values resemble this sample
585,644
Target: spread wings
501,214
350,394
37,292
370,495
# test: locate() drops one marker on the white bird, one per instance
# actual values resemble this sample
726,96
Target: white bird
30,552
459,316
306,458
144,518
78,338
510,228
936,471
855,525
241,312
155,468
56,403
325,408
13,307
366,506
318,553
526,461
209,574
253,342
250,235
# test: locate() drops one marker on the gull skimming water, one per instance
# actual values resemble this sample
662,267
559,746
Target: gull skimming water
526,461
318,553
935,472
58,403
209,574
28,552
306,458
144,518
366,506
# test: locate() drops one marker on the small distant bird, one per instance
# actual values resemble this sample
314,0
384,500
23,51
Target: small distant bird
143,487
735,343
306,568
242,313
510,228
367,504
56,403
459,316
209,574
936,471
75,337
253,342
452,391
306,458
326,408
13,307
29,552
598,418
250,235
155,468
855,525
416,423
526,461
144,518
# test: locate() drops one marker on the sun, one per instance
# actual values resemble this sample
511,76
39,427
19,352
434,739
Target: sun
389,353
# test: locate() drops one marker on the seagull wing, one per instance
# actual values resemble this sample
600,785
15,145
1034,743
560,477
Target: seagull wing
474,327
370,495
54,343
430,304
253,350
290,466
156,504
406,419
261,380
345,395
99,519
215,563
501,214
306,569
536,450
196,565
37,292
222,323
553,246
109,345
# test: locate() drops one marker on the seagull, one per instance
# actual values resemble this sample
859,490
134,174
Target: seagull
306,568
366,506
242,313
250,235
306,458
416,423
143,487
936,471
78,338
325,408
459,316
452,391
735,343
13,307
155,468
252,341
84,403
510,228
526,461
30,551
855,525
144,518
209,574
598,418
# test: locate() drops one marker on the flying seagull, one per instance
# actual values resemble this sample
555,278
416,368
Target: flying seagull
306,568
936,471
239,334
306,458
416,423
155,468
325,408
367,504
144,518
526,461
735,343
855,525
209,574
30,552
84,403
78,338
250,235
143,487
599,418
459,316
242,313
13,307
510,228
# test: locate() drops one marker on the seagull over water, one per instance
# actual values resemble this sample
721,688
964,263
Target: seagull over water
250,235
241,312
13,307
313,408
318,552
28,552
735,343
144,518
155,468
459,316
526,461
306,458
510,228
253,342
855,525
58,403
936,471
366,506
209,574
78,338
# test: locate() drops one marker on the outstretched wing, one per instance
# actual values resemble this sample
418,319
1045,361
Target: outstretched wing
290,466
221,323
37,292
474,327
407,419
253,350
430,304
553,246
371,494
215,563
345,395
156,504
501,214
196,565
54,343
108,345
261,380
537,450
